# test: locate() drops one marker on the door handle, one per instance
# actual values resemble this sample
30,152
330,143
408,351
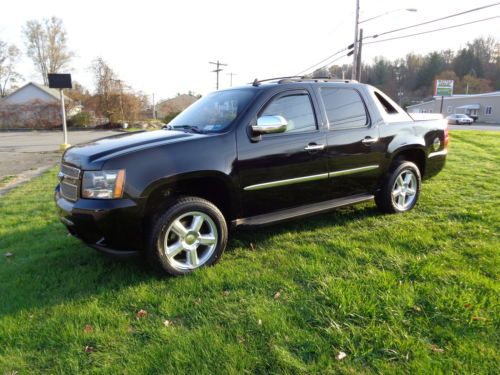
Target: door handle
314,147
369,140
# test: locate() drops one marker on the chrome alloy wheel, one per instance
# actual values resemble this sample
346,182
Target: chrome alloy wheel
190,240
404,190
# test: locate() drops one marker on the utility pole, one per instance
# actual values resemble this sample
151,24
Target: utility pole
358,59
355,50
154,107
231,78
218,64
65,144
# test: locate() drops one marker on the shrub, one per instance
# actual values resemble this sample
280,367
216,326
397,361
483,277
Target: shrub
81,120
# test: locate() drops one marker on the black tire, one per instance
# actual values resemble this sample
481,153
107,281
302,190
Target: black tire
384,197
163,224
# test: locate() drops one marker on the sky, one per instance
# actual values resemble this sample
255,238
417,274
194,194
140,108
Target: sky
164,47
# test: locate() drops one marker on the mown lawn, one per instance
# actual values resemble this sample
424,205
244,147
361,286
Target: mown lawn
413,293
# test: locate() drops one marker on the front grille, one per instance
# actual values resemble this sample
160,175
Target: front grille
71,172
68,191
70,182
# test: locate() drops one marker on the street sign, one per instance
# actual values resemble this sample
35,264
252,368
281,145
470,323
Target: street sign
444,87
59,81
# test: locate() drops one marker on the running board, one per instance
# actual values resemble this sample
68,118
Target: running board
292,213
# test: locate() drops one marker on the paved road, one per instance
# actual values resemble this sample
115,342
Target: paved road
475,127
23,151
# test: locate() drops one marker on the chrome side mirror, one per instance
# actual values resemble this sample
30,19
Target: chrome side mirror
270,125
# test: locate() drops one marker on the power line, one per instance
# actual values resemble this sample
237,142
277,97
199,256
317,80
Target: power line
431,31
322,61
406,36
434,20
331,62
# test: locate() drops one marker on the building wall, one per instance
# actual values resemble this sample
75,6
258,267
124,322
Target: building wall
451,104
32,115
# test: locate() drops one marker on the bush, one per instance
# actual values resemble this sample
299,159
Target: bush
81,120
170,117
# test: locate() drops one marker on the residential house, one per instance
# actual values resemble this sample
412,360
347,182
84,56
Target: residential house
34,106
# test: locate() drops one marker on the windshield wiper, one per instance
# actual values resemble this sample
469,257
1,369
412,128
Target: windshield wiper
191,128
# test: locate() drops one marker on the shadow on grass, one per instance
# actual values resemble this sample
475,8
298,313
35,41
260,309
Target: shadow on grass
49,267
335,218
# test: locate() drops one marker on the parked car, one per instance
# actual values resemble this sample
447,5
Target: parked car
459,119
245,157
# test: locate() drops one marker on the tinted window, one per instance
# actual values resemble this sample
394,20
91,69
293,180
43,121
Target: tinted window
214,112
296,109
344,108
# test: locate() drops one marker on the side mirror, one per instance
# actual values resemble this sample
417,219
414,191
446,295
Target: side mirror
270,125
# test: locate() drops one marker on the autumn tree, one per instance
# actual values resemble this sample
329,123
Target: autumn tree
47,45
9,57
116,100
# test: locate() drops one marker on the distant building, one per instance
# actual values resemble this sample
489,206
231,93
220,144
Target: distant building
175,105
481,107
34,106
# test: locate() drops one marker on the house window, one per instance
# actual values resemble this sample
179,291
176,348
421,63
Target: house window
449,109
487,110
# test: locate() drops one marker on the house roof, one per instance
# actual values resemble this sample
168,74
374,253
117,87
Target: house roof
52,92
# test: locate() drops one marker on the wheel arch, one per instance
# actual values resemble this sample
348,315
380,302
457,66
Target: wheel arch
414,153
213,186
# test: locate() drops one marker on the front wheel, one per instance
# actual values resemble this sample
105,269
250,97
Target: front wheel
191,234
401,189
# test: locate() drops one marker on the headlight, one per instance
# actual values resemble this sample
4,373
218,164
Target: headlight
103,184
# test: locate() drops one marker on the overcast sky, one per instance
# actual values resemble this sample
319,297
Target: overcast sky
165,46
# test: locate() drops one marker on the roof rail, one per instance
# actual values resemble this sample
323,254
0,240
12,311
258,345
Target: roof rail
256,81
291,79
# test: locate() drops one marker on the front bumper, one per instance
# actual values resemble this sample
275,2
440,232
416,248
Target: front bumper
113,227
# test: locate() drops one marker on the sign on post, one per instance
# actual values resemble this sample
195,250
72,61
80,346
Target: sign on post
443,87
61,81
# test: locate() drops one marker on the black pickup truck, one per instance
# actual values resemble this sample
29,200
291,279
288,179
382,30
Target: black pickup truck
245,157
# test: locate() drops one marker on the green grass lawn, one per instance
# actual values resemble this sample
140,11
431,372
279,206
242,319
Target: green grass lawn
414,293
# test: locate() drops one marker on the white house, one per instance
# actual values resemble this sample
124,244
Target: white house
34,106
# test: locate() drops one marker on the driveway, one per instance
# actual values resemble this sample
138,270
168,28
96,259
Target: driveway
25,151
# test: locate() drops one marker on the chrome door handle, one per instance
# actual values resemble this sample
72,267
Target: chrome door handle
313,147
369,140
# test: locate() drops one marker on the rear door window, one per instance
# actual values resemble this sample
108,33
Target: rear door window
344,108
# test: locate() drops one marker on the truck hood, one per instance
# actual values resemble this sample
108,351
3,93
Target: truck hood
91,156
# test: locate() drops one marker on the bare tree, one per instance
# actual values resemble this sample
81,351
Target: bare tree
46,44
9,57
114,99
109,89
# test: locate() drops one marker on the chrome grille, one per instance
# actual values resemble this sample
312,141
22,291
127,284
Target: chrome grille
71,172
70,182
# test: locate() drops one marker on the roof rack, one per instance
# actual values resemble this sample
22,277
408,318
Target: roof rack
291,79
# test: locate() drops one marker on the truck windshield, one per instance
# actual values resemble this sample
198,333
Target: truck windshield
214,112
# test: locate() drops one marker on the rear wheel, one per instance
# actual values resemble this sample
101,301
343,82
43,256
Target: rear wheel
401,189
191,234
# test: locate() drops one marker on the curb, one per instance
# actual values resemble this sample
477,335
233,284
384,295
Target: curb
24,177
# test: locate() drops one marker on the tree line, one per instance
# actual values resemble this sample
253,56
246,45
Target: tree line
475,68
